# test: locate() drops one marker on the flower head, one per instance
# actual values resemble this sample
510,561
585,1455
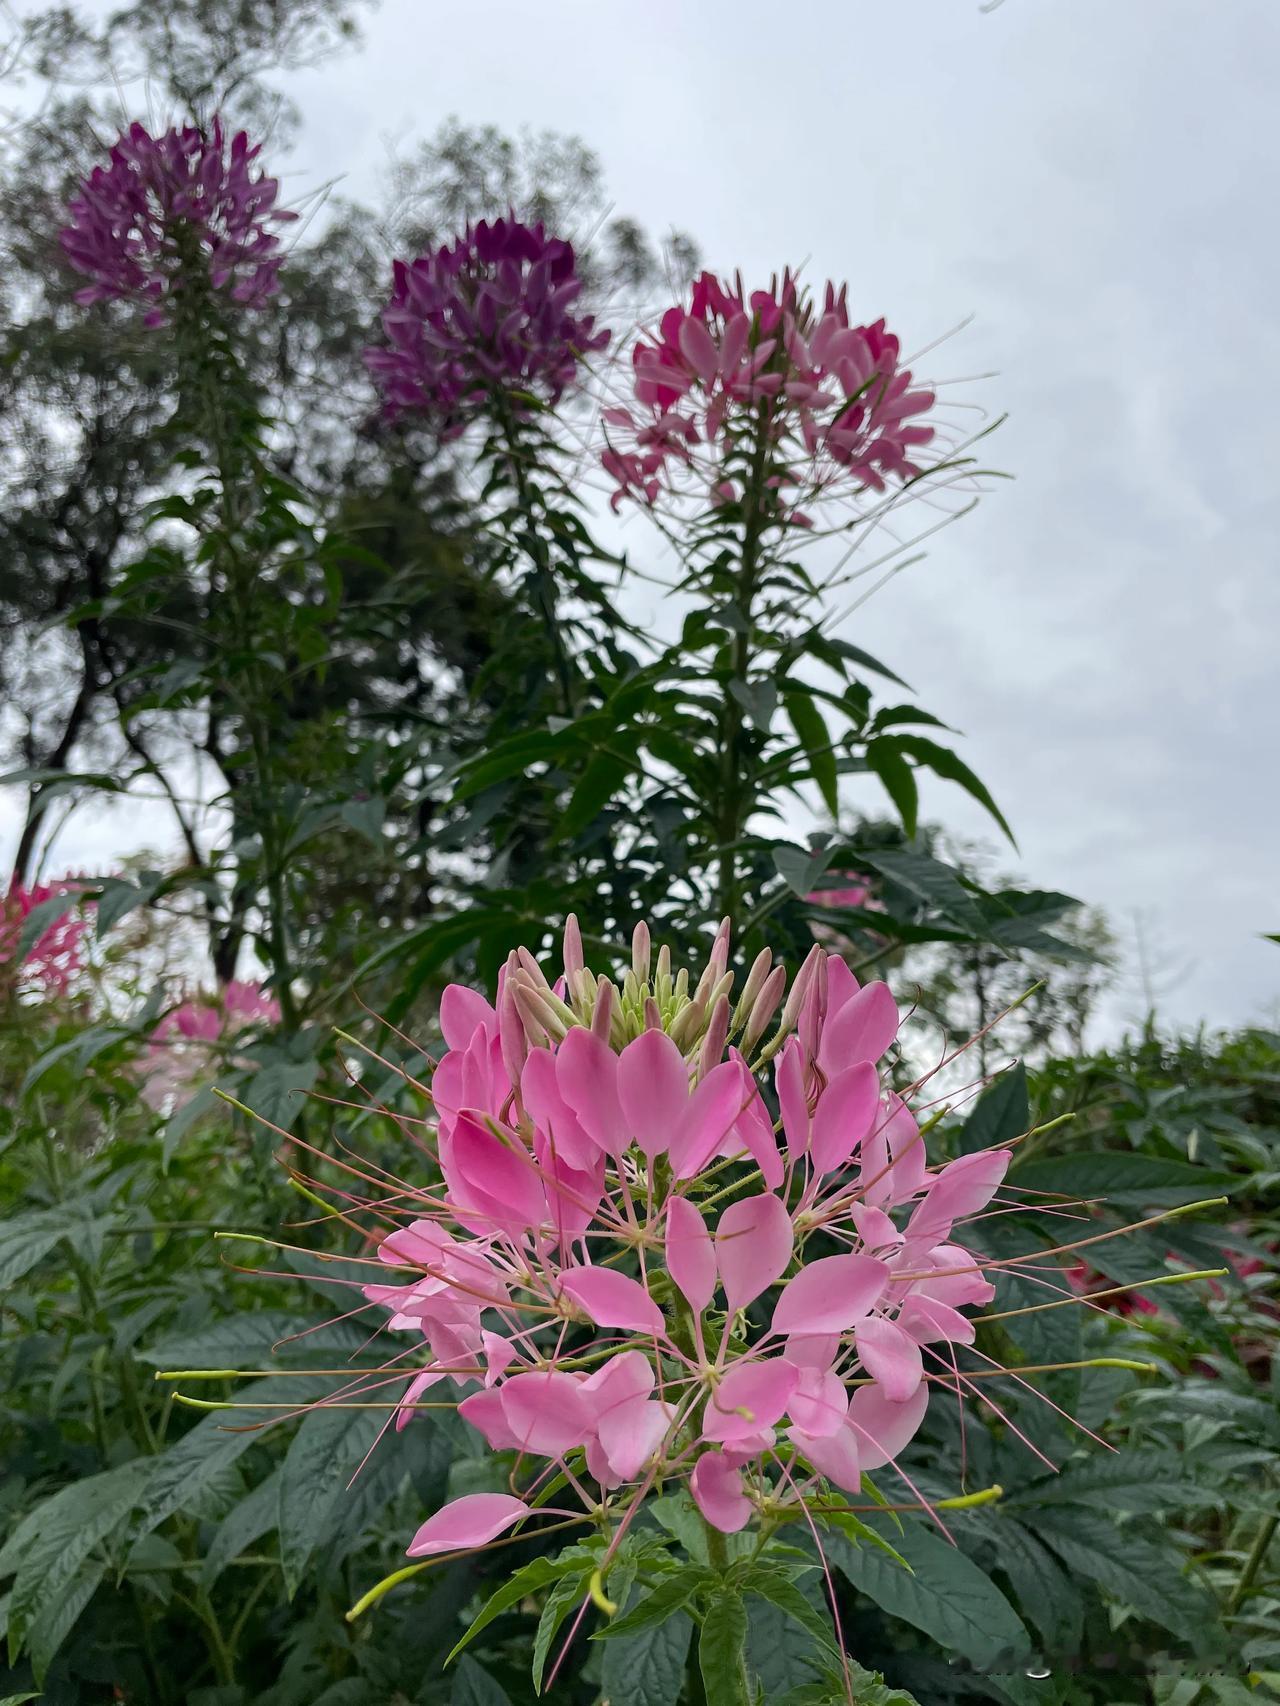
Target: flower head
56,957
667,1249
492,313
135,222
181,1048
770,391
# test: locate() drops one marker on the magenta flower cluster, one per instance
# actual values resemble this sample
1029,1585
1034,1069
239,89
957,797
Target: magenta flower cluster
492,313
56,957
825,404
134,222
628,1310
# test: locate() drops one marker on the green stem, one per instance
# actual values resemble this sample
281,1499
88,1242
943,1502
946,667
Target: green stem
1253,1563
738,1688
733,806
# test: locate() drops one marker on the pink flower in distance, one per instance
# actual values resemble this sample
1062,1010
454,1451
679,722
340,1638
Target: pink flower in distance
55,958
181,1053
770,394
633,1276
491,315
137,223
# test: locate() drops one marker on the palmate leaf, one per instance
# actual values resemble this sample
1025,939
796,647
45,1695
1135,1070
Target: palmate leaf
567,1594
1128,1480
779,1587
672,1594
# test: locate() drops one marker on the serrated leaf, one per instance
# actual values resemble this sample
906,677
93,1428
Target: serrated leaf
277,1092
672,1594
1131,1567
323,1455
946,1595
256,1514
780,1590
648,1668
58,1615
1139,1181
945,763
722,1641
538,1573
256,1339
55,1540
1128,1480
563,1598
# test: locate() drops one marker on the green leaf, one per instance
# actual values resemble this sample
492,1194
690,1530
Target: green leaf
781,1590
722,1641
58,1615
255,1339
884,759
800,867
1136,1181
1128,1480
84,1047
117,898
1049,1597
19,1699
600,781
946,1595
1133,1568
255,1515
943,762
814,737
563,1598
647,1668
277,1092
855,1530
323,1455
672,1594
28,1239
473,1686
183,1476
1001,1113
759,699
55,1539
538,1573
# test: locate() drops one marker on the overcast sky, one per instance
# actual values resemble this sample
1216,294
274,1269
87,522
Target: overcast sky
1089,179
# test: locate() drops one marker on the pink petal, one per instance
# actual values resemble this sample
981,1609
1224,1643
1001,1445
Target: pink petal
819,1404
754,1131
847,1110
462,1011
717,1491
485,1413
830,1294
653,1089
416,1387
547,1108
625,1376
834,1455
927,1321
630,1434
893,1158
842,985
698,348
753,1245
546,1411
712,1109
862,1029
788,1079
751,1396
419,1244
891,1357
587,1075
612,1299
884,1429
495,1170
470,1521
955,1277
962,1188
812,1350
691,1256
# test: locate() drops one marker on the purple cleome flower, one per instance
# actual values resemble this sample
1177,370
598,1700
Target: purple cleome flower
490,313
129,218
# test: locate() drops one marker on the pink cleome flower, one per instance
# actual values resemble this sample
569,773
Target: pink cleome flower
179,1056
626,1304
733,391
132,222
492,313
56,957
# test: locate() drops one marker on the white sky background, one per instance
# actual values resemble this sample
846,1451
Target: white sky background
1094,181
